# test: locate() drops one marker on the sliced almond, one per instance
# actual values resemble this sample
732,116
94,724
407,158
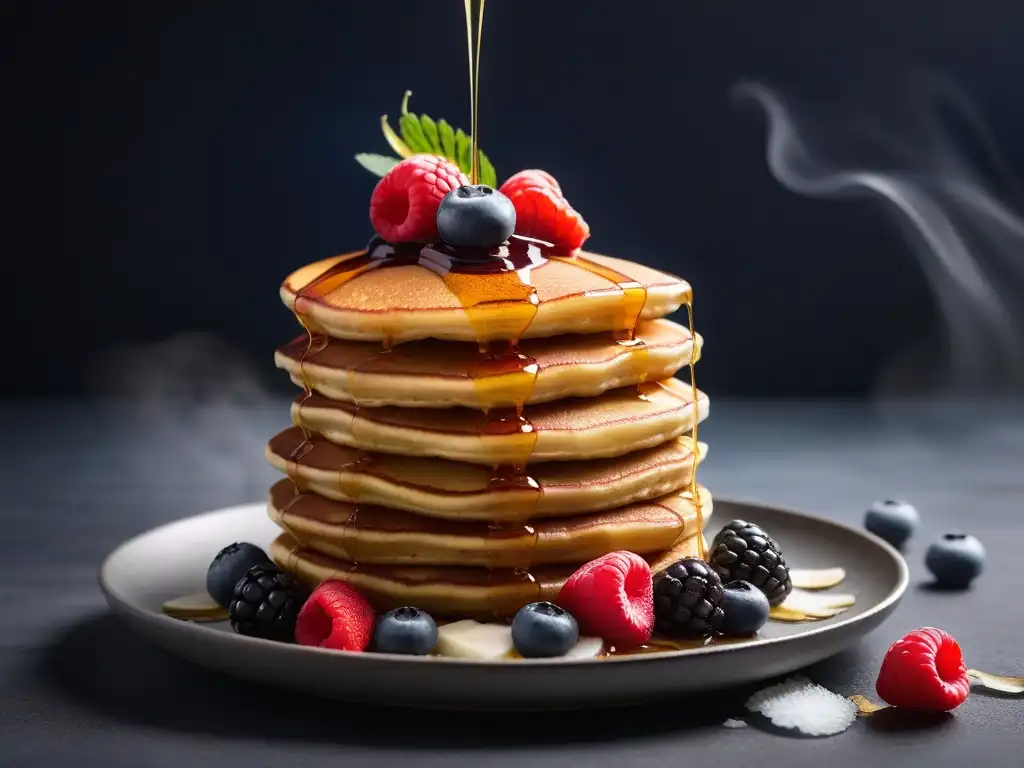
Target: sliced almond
802,605
816,578
1001,683
197,607
865,706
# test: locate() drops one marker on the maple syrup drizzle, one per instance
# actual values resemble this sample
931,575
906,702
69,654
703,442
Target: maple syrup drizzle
634,297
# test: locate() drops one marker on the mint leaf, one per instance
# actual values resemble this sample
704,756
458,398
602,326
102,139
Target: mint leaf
488,175
463,151
412,133
429,128
447,136
378,165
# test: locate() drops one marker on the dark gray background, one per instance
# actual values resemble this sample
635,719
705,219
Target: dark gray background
172,161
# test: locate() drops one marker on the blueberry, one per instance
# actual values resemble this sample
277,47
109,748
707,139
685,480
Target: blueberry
955,560
891,520
475,216
543,629
745,607
405,630
228,567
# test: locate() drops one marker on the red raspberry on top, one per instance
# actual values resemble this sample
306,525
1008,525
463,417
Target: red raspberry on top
542,210
612,598
531,178
403,207
336,616
924,670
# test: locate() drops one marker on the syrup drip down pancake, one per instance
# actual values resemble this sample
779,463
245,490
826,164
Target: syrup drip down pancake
437,374
611,424
459,491
371,534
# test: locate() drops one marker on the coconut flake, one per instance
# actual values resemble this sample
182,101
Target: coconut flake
732,722
816,578
799,704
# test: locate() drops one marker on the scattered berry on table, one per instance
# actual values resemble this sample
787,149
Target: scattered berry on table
542,212
405,630
688,600
924,670
891,520
745,607
230,565
475,216
266,603
743,551
403,206
336,616
955,560
611,598
542,630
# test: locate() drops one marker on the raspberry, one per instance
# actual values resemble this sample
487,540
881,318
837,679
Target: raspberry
924,670
403,207
530,178
542,210
335,616
612,598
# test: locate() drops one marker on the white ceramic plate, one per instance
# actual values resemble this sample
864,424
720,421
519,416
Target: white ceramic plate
171,561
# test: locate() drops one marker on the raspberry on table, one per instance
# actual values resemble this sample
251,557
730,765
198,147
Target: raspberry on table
924,670
403,206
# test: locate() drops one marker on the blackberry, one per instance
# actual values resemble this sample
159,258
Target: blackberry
742,551
266,603
687,600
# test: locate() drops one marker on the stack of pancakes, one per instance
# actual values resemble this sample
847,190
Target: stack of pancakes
470,432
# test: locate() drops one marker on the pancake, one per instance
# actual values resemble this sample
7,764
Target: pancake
612,424
437,374
444,591
459,491
372,534
524,291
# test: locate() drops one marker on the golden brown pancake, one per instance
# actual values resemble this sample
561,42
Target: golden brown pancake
438,374
612,424
459,491
366,533
388,297
444,590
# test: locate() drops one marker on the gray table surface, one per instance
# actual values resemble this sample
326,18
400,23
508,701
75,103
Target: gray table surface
76,688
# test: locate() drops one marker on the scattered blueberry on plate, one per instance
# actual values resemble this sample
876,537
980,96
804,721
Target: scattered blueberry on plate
955,560
230,565
745,607
542,630
406,630
891,520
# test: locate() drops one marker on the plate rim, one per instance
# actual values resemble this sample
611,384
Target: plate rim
198,630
